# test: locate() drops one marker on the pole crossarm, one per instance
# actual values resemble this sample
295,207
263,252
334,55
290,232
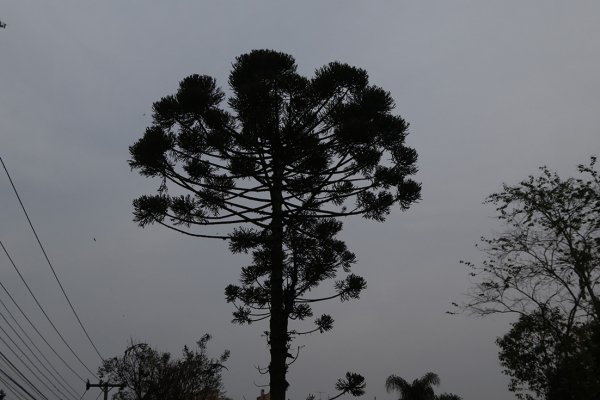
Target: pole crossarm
105,386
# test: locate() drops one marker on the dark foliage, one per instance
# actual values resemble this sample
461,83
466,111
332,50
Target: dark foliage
545,267
152,375
419,389
549,363
354,384
292,156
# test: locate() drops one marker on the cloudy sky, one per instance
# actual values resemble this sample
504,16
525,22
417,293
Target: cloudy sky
492,91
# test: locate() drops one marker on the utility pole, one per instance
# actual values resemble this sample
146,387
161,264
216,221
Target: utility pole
104,386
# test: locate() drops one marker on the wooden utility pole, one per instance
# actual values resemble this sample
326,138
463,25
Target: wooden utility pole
104,386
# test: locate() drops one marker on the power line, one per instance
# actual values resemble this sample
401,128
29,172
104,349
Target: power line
44,312
7,362
32,363
83,394
99,394
34,345
27,366
31,385
11,387
16,384
48,260
38,332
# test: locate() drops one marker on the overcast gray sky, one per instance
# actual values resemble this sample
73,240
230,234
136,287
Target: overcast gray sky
492,91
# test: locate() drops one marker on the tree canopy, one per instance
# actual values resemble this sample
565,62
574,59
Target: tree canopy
546,362
288,158
544,266
419,389
149,374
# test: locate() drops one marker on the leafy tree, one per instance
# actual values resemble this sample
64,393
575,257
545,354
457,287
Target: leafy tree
290,157
419,389
544,266
2,394
548,363
152,375
577,376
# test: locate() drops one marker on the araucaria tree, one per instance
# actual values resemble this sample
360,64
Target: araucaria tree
545,266
288,158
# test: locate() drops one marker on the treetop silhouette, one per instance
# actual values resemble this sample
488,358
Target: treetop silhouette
288,158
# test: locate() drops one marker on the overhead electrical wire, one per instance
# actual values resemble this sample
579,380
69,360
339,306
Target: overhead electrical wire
6,374
15,383
99,394
31,362
38,332
18,376
16,370
8,385
34,345
36,357
27,366
48,260
44,312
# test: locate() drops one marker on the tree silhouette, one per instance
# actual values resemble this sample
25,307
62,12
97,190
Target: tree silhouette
550,362
354,384
548,255
148,374
292,156
419,389
448,396
545,267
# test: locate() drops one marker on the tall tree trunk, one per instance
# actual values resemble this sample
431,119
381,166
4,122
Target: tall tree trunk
279,350
279,318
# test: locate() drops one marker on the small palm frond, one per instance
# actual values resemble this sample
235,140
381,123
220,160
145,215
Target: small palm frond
419,389
430,379
395,383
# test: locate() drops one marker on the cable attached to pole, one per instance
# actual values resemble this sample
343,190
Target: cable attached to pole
48,260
